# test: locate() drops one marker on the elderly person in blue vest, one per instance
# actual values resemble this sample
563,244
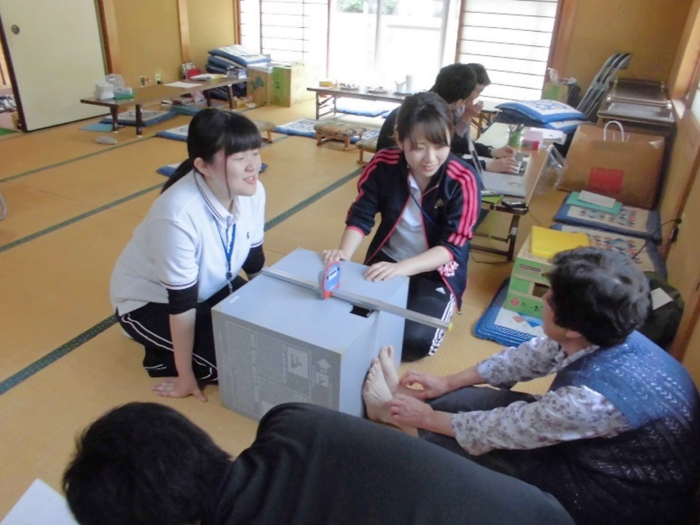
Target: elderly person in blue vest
616,439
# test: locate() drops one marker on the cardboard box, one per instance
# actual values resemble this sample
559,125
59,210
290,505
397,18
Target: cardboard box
531,267
289,83
260,84
525,297
278,342
555,91
528,283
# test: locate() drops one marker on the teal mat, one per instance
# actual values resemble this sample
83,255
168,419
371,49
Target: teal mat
97,126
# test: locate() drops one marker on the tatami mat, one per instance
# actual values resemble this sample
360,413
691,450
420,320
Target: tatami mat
73,204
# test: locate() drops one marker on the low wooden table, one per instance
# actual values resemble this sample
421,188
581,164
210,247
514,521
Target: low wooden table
151,94
326,98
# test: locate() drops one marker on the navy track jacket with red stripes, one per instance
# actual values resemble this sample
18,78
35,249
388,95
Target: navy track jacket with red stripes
450,204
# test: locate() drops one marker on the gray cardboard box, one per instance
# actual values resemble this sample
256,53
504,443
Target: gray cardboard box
277,342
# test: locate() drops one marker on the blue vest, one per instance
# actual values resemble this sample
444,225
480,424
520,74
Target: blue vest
648,474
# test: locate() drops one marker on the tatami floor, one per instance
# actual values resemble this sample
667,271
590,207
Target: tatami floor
73,204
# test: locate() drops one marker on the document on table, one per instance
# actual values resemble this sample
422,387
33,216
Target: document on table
551,134
40,505
183,84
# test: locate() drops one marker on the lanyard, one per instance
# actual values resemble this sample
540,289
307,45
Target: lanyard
228,252
425,213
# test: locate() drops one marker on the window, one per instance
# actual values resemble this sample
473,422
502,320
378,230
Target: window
375,45
371,42
379,42
511,38
288,30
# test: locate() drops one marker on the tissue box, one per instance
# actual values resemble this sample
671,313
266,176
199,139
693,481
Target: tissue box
104,91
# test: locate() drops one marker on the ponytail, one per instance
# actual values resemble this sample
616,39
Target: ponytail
182,170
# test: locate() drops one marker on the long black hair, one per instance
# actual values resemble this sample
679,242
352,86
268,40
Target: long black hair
211,131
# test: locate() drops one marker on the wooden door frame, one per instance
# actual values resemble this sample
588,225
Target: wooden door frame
11,74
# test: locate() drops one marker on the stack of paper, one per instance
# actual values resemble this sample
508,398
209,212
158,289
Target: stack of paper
546,243
586,199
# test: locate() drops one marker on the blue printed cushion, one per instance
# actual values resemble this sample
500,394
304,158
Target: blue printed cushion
544,110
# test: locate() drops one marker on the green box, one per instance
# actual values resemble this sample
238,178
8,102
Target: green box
525,297
531,267
555,91
289,83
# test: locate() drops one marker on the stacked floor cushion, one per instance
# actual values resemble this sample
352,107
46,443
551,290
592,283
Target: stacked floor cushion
222,59
549,114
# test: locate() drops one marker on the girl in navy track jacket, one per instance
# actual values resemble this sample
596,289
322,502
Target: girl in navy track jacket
428,200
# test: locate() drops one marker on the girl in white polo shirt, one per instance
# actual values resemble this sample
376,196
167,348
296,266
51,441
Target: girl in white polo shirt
185,256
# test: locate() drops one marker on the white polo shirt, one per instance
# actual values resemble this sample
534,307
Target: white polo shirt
180,243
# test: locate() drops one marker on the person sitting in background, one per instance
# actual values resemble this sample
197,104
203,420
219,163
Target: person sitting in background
145,463
616,439
459,85
501,159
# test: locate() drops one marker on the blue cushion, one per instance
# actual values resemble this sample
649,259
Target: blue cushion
544,110
239,54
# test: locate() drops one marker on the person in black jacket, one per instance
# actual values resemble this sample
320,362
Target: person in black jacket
429,201
145,463
460,85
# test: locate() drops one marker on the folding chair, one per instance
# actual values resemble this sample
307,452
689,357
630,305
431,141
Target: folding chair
601,83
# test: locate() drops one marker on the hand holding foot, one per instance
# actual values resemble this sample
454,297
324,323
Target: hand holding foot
376,394
433,386
408,411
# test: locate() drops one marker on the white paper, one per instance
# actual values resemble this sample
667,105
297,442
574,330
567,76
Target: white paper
206,76
551,134
594,198
659,298
183,84
40,505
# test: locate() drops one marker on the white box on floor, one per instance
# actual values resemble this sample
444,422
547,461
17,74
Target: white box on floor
278,342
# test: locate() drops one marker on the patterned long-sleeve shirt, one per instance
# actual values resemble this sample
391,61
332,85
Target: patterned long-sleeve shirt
564,414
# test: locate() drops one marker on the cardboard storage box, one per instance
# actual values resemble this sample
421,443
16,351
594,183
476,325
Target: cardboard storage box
555,91
528,282
278,342
525,297
289,83
531,267
260,83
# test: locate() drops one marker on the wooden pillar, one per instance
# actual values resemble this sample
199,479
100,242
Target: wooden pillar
184,31
108,22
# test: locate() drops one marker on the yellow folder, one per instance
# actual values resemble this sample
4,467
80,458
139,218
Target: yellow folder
545,242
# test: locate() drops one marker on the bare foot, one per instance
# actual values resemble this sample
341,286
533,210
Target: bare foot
376,394
386,359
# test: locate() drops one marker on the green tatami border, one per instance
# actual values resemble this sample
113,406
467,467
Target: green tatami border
103,325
